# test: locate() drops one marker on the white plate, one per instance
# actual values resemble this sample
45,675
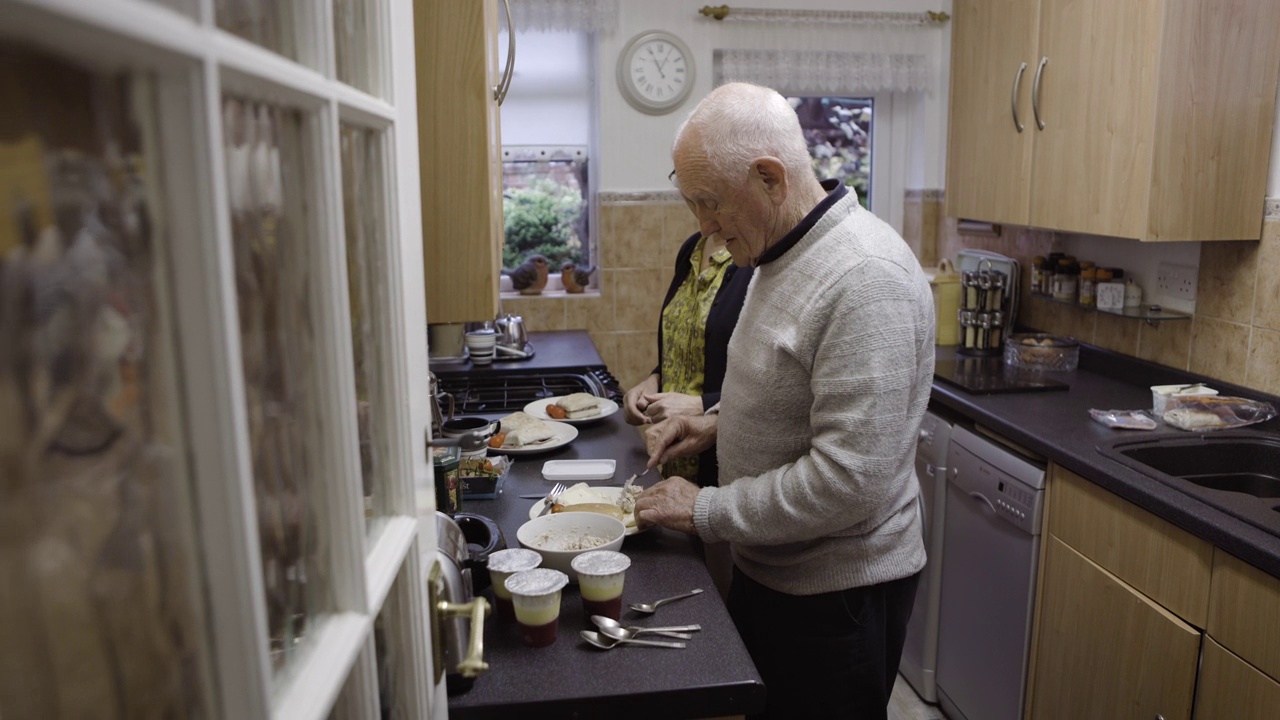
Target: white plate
564,434
572,471
607,495
538,409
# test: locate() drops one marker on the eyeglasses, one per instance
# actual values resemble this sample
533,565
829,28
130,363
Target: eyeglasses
672,176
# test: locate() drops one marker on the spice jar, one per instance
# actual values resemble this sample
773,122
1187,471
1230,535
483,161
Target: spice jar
1088,283
1064,280
1037,274
1109,292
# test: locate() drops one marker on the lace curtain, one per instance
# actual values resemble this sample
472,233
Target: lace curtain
565,15
824,72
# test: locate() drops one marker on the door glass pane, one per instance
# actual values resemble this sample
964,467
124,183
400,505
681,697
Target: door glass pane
268,176
273,24
100,610
355,39
364,207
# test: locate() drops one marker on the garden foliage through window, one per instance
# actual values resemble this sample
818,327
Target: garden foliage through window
544,205
838,131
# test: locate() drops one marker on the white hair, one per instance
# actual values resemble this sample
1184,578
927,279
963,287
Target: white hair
739,122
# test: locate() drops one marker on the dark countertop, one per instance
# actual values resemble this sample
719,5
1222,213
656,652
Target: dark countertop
1057,426
713,676
554,350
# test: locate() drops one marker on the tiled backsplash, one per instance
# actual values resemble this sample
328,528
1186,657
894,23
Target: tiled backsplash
1234,334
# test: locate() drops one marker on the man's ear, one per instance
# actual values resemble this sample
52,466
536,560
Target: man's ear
772,175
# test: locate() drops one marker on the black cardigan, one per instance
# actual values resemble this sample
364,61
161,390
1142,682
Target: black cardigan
721,320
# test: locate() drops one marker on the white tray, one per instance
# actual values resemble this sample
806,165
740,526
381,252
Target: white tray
578,470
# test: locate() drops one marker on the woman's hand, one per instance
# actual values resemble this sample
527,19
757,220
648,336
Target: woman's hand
659,406
633,403
680,436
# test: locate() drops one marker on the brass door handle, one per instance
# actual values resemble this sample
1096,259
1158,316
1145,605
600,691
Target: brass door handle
473,665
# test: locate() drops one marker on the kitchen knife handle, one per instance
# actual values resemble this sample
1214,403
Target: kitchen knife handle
500,90
1013,96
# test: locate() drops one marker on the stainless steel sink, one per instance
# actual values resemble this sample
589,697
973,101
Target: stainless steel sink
1236,472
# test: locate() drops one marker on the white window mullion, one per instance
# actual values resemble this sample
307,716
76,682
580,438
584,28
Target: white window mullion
319,673
292,83
336,373
145,22
395,543
359,699
206,299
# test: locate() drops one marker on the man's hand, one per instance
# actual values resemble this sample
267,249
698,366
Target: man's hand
660,406
680,436
668,503
633,403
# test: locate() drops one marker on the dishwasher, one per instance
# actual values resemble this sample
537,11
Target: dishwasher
993,509
920,651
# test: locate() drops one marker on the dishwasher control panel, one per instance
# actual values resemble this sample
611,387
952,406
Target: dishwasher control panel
1006,483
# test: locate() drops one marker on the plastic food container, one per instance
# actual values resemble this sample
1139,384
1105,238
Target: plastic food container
1042,352
578,470
1160,394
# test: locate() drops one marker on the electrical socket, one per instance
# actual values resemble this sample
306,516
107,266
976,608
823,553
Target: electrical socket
1177,282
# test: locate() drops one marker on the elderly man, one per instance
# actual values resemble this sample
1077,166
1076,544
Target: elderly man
828,376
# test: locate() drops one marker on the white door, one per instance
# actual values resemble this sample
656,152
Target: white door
213,365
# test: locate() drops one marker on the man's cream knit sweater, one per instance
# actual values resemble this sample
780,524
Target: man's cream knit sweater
829,373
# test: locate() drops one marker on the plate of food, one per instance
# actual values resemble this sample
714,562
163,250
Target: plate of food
616,501
575,409
523,434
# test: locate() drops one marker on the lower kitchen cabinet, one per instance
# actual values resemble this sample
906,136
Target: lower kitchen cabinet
1232,689
1106,650
1244,612
1122,595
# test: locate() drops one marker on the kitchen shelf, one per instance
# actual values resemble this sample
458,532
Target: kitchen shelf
1144,312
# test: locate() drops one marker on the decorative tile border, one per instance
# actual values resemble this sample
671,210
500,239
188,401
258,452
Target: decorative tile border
1272,211
925,195
612,197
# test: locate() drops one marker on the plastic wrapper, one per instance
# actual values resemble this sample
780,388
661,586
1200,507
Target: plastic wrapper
1124,419
1215,413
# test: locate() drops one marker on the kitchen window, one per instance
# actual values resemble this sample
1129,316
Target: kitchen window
548,132
839,131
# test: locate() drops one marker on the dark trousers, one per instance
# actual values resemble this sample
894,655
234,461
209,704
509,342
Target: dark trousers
833,655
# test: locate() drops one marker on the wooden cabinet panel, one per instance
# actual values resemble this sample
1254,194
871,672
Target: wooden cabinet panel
989,161
1231,689
1097,101
1166,563
1158,115
1244,612
1106,650
459,151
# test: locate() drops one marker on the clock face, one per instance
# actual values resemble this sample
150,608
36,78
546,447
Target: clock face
655,72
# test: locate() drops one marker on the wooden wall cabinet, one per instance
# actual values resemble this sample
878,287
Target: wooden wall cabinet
460,157
1147,119
1107,644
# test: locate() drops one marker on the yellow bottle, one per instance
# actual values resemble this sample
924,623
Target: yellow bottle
947,291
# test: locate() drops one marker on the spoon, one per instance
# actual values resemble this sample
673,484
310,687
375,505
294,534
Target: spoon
653,606
604,642
614,629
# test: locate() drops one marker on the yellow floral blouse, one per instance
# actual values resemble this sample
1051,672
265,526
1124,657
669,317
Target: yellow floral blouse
684,322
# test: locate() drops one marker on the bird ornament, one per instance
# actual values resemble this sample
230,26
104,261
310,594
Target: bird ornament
531,277
575,279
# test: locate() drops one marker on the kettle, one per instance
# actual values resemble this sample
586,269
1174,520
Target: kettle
458,647
511,331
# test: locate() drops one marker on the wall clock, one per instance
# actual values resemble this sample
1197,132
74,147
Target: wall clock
655,72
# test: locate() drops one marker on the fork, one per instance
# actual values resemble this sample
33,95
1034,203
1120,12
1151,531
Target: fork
551,498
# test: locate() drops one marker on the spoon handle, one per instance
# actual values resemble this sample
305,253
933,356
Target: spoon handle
668,628
664,601
666,633
653,643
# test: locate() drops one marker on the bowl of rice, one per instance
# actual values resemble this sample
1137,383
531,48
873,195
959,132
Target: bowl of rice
560,537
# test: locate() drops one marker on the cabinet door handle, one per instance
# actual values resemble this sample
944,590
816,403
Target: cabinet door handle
1035,92
1013,96
500,90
